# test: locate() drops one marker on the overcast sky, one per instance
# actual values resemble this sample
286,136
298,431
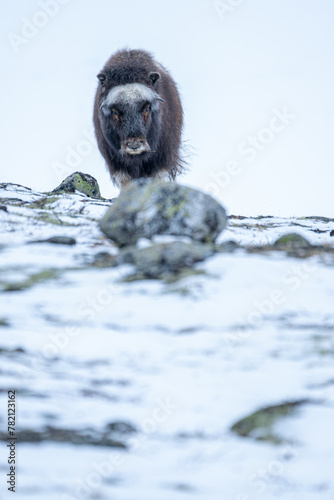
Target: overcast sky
256,79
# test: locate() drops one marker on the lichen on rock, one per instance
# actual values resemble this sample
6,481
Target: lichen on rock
84,183
260,424
164,259
292,241
147,207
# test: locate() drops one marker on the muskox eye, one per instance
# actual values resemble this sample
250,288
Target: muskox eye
115,113
146,111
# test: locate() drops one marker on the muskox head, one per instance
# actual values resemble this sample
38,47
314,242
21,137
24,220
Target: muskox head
130,118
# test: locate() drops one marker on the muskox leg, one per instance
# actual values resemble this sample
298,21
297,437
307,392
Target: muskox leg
122,179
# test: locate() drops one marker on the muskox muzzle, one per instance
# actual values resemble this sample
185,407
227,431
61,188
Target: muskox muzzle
135,146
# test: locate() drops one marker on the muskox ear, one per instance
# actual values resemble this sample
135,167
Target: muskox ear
154,77
102,77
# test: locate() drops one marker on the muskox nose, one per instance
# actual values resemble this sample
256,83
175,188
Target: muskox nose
134,144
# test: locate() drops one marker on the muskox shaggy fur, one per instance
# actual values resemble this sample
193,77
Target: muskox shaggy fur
138,118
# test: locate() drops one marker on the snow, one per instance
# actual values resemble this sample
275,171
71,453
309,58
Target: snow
181,362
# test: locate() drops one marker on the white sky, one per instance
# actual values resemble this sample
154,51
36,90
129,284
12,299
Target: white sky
232,71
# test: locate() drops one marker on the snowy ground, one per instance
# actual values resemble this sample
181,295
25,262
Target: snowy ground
130,390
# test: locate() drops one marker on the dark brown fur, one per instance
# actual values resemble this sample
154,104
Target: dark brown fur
137,66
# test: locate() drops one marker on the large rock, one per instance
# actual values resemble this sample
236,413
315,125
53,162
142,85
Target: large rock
147,207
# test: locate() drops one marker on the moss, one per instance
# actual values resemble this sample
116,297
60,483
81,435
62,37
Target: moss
42,202
134,277
51,218
83,183
51,199
292,241
208,240
185,273
183,291
259,425
168,278
173,208
32,280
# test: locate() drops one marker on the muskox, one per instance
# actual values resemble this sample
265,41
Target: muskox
138,118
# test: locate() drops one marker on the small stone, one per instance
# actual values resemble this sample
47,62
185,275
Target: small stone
147,207
84,183
120,427
160,260
292,241
57,240
260,425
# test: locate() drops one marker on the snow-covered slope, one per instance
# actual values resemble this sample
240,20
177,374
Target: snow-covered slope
131,389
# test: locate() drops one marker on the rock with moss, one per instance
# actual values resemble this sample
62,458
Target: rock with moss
147,207
164,259
291,242
84,183
260,424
